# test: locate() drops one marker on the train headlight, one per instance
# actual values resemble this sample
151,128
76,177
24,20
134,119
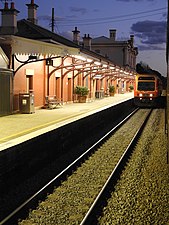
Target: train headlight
140,95
151,95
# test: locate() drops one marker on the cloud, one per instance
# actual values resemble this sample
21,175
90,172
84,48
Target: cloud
151,34
78,10
66,34
150,47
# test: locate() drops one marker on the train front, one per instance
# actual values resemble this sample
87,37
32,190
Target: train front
147,90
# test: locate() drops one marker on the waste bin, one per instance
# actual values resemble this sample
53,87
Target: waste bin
99,94
26,103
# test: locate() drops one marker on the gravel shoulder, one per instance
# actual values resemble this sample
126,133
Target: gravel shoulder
141,196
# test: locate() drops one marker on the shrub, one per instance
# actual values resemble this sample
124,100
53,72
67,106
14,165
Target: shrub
81,90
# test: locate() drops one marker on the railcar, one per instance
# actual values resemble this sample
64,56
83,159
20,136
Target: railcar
147,90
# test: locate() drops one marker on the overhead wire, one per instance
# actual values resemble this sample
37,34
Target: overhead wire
68,21
114,17
104,22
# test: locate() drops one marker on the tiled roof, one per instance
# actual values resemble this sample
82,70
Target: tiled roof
30,30
106,40
100,39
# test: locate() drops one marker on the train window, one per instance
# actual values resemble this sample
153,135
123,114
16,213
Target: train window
146,86
146,78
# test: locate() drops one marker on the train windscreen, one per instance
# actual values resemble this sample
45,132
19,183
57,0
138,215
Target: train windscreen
146,86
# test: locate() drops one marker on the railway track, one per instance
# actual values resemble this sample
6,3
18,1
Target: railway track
141,194
79,197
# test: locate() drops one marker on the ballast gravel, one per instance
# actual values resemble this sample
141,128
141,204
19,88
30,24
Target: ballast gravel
141,196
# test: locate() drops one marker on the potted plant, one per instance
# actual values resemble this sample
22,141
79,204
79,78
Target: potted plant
112,90
131,88
82,93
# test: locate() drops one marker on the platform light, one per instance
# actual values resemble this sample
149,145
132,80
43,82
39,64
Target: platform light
97,63
79,57
112,67
98,76
79,67
89,60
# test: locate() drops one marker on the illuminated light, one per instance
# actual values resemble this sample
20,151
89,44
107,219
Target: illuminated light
140,98
151,95
112,67
151,99
140,95
79,67
97,63
89,60
104,65
98,76
79,57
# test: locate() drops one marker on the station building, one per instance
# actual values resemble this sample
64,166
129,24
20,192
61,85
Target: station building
47,64
122,52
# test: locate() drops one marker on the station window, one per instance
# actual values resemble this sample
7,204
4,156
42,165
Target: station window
29,83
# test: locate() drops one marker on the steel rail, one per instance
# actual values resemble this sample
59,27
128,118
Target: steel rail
18,212
90,216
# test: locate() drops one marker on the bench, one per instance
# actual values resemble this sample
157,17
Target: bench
52,102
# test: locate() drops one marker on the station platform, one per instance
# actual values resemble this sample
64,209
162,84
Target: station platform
17,128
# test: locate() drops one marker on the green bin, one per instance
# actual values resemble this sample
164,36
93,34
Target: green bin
26,103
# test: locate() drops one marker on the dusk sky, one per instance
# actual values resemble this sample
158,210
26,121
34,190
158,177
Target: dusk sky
146,19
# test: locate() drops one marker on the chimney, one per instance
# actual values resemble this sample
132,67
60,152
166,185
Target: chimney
32,9
87,40
9,19
76,36
112,34
132,39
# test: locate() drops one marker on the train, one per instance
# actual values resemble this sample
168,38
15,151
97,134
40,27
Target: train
148,91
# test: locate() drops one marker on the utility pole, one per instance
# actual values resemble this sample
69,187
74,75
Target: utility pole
53,19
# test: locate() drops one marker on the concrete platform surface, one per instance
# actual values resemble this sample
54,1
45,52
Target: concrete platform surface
18,128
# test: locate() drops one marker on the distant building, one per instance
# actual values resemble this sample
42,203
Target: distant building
122,53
